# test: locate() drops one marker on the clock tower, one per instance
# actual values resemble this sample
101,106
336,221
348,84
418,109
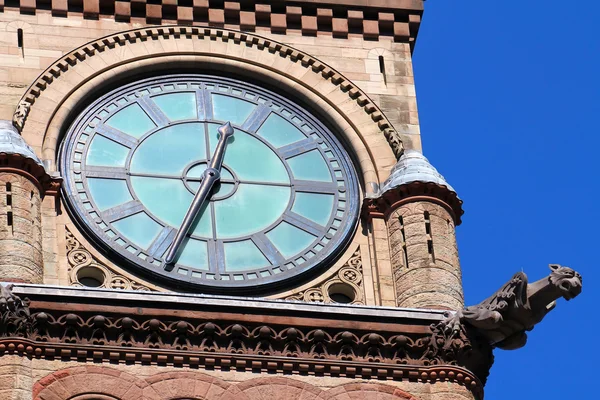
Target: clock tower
229,200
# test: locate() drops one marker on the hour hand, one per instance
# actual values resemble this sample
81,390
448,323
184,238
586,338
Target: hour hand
209,177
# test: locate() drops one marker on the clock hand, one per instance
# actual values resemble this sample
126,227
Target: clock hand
225,132
210,176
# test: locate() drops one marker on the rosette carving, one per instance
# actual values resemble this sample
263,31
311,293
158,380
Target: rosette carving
347,281
82,264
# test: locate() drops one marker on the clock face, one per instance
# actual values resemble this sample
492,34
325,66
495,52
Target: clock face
286,200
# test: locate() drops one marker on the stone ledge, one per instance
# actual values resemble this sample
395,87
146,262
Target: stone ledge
215,303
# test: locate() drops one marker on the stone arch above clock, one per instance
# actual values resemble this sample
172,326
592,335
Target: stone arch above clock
49,103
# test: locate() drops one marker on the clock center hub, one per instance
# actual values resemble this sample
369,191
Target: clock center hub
223,189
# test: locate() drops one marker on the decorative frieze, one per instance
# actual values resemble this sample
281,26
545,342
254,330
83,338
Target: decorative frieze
105,333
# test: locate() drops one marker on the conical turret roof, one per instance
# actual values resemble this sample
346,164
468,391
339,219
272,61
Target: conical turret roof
413,178
413,167
12,143
16,154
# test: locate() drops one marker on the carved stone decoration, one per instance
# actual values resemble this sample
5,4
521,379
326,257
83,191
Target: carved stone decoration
14,313
348,281
21,114
518,306
83,265
395,142
462,346
252,346
130,332
503,319
468,336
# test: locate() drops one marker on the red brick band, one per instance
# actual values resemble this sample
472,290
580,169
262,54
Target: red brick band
113,383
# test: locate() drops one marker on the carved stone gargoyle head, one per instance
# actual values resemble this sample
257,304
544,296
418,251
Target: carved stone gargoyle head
505,317
542,295
566,280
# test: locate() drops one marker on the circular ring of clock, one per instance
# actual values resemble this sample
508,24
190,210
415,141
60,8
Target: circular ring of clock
282,198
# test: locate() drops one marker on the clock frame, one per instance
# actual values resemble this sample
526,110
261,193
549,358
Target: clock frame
330,238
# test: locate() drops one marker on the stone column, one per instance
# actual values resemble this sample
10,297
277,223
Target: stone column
20,230
425,257
23,183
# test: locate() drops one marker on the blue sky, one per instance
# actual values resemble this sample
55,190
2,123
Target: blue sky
509,99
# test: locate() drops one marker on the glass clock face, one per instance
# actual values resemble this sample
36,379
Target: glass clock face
286,200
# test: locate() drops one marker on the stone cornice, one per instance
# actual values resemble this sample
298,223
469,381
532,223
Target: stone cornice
16,164
371,19
383,205
219,332
18,158
226,304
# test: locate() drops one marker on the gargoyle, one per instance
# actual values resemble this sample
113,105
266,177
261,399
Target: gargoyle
517,307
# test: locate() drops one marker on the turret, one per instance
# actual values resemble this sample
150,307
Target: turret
421,211
23,183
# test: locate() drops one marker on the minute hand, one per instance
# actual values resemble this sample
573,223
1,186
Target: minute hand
210,176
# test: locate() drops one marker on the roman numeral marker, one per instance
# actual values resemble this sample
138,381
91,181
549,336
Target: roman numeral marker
303,223
122,210
315,187
268,248
155,113
162,242
117,135
256,119
300,147
205,98
105,172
